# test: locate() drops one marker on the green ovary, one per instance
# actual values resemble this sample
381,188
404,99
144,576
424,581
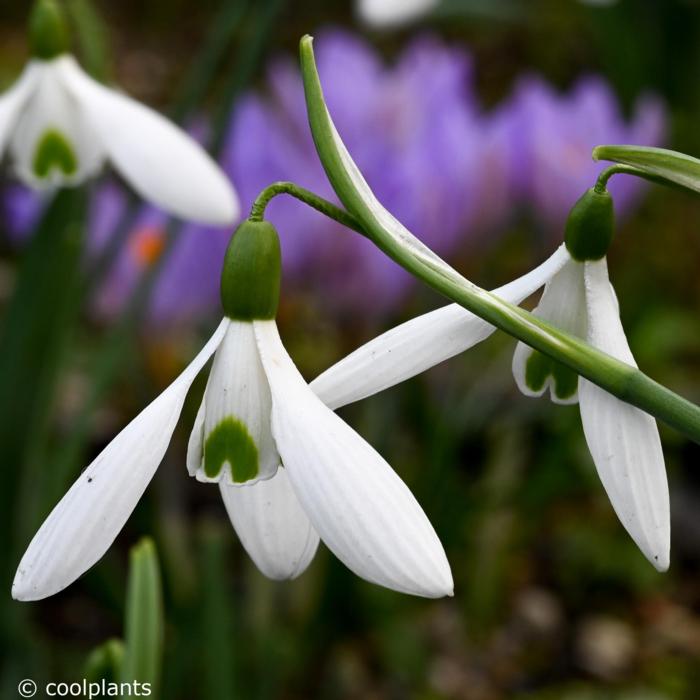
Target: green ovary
231,442
539,367
54,152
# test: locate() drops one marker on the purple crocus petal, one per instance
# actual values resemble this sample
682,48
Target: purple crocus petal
107,207
261,149
492,170
422,193
142,247
340,53
21,210
188,287
552,138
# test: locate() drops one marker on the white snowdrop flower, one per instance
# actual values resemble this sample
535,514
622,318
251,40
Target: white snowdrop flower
58,127
381,13
623,440
289,469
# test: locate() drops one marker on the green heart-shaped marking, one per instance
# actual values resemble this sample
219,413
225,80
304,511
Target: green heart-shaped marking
539,367
54,151
231,442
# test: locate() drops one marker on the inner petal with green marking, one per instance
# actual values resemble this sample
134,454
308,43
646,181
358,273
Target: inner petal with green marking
539,368
54,152
230,443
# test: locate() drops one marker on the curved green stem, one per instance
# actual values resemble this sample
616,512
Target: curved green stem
621,168
257,211
622,380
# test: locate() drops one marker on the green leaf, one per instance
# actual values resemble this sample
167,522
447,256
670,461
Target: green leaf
35,332
92,37
661,164
143,632
219,632
105,662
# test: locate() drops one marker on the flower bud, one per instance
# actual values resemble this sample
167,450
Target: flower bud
250,281
48,32
590,226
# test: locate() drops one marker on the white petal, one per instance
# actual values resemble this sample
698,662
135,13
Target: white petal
14,99
563,304
623,440
355,501
195,446
160,161
272,526
238,396
421,343
392,12
86,521
52,110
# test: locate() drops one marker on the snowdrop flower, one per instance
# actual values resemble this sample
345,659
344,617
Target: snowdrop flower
289,469
382,13
623,440
59,126
388,13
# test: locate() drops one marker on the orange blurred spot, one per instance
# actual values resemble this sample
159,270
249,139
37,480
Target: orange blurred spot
147,244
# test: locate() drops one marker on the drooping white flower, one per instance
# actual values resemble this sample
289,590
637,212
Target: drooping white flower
382,13
289,469
623,441
58,126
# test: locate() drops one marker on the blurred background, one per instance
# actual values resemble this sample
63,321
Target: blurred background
474,125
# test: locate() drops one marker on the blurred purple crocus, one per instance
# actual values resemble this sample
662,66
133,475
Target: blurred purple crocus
553,135
188,285
186,288
446,169
416,132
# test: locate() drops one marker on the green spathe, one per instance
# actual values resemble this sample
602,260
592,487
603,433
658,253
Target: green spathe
250,281
660,165
539,367
231,442
590,226
54,151
48,32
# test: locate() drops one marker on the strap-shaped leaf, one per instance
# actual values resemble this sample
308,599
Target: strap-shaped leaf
659,164
144,618
105,662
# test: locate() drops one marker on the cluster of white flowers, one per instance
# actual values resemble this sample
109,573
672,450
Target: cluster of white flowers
290,471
